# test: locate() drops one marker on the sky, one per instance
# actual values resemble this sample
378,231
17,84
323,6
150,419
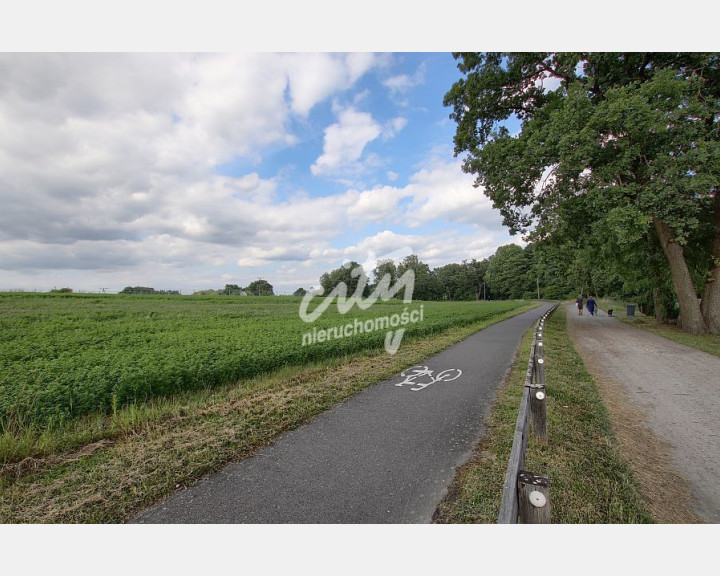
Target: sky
191,171
185,146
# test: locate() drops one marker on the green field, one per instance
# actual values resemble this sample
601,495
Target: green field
66,356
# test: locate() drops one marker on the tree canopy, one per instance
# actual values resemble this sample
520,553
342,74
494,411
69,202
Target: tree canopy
260,287
465,281
350,273
232,290
508,273
614,149
427,285
147,290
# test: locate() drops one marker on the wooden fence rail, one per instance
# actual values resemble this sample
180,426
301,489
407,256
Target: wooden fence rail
526,497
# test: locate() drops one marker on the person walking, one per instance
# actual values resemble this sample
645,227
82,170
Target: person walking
579,302
591,305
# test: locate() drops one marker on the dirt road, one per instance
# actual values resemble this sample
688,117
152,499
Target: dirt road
664,400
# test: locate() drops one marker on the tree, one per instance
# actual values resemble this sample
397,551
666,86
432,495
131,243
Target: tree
465,281
427,285
300,292
351,273
636,132
549,266
384,267
475,272
454,282
507,273
232,290
260,287
137,290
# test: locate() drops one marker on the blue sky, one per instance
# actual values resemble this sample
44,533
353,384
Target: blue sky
423,79
192,170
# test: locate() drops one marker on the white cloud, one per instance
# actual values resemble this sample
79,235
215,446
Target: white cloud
432,249
171,113
442,191
120,146
257,256
315,77
108,171
382,244
345,142
392,127
224,220
399,85
548,82
374,205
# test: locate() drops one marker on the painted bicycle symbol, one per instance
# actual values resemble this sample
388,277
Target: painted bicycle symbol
425,375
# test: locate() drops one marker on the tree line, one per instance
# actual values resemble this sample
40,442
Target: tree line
147,290
259,287
615,169
512,272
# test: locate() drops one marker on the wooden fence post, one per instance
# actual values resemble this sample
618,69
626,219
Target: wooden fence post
533,498
538,412
538,409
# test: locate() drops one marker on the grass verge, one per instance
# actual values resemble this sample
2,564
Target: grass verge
709,343
142,453
591,482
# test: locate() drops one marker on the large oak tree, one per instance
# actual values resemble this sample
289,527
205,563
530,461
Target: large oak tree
602,135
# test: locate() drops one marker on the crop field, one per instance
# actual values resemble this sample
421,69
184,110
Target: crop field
66,356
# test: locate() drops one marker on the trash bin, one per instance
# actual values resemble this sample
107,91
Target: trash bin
631,309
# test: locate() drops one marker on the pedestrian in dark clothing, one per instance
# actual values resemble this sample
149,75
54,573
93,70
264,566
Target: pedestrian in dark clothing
579,301
591,305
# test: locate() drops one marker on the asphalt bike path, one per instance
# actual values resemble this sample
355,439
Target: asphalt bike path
386,455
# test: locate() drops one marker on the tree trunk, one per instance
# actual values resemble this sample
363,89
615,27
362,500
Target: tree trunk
658,304
691,319
710,307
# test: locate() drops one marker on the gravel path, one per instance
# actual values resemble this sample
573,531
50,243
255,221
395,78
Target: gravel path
676,388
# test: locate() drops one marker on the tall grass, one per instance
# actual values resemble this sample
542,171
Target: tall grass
63,357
